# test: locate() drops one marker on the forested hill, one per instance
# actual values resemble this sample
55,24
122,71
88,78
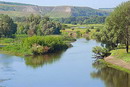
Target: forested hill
107,9
13,3
20,9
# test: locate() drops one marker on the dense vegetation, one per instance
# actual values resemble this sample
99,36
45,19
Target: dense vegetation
32,25
30,32
116,31
37,25
83,20
85,30
30,35
100,52
7,26
37,45
86,11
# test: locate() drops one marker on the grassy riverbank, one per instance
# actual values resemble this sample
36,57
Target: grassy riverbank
112,65
37,45
121,54
119,59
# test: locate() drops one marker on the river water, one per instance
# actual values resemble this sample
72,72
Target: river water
73,67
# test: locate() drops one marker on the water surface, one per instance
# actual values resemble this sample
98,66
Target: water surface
73,67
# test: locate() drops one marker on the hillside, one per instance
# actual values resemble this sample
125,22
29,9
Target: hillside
107,9
20,9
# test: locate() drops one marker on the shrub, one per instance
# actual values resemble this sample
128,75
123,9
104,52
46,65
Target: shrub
38,49
78,33
68,38
92,27
121,46
100,52
87,31
97,30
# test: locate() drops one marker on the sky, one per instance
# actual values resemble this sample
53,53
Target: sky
86,3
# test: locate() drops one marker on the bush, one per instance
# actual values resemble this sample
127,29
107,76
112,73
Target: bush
38,45
54,42
97,30
38,49
87,31
100,52
92,27
78,33
121,46
68,38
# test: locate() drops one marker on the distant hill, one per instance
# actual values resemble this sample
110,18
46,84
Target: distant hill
20,9
13,3
107,9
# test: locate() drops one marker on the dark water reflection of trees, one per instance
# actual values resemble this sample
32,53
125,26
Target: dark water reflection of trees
111,76
40,61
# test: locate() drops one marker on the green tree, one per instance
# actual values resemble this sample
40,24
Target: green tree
40,26
7,26
117,27
119,24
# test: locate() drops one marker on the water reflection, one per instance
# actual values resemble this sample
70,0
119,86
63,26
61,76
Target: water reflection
40,61
7,72
111,76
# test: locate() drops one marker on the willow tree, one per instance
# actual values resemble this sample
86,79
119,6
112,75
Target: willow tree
118,25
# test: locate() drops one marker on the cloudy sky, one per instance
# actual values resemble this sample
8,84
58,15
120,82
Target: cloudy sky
88,3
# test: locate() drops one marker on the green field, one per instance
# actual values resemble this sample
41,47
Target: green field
82,28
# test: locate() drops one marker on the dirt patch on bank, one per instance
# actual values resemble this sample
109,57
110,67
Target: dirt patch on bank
117,62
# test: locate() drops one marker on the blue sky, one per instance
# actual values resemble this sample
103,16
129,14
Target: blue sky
88,3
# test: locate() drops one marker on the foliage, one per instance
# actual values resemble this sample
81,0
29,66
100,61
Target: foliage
37,25
100,52
6,40
87,31
117,27
97,30
95,20
120,23
38,49
37,45
83,20
68,38
7,26
86,11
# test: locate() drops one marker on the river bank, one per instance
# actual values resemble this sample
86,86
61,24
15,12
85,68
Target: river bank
117,63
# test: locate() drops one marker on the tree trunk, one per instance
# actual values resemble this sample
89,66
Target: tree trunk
127,40
127,46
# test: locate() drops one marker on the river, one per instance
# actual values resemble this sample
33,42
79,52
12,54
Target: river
73,67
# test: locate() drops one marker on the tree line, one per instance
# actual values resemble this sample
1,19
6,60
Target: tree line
72,20
83,20
32,25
